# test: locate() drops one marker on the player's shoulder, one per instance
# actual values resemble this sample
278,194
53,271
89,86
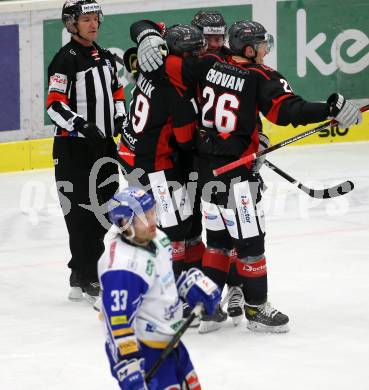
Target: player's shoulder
264,70
119,255
64,57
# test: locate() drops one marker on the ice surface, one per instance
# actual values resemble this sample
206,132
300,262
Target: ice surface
318,264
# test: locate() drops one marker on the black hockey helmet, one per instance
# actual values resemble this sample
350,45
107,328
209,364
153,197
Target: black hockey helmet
185,38
248,33
210,22
72,9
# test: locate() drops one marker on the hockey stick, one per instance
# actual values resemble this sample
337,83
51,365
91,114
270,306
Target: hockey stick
173,342
327,193
245,160
119,59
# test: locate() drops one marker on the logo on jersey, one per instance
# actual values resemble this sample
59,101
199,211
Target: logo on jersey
164,241
58,83
150,327
244,209
210,217
177,325
118,320
149,267
162,192
170,310
228,222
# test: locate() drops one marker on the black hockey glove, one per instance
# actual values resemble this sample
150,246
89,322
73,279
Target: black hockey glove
343,111
92,133
118,125
264,143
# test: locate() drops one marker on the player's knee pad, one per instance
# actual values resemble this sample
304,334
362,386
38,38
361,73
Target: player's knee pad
252,266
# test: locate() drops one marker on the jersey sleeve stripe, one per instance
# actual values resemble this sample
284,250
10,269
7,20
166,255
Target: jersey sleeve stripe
123,332
173,68
185,133
118,94
56,97
273,113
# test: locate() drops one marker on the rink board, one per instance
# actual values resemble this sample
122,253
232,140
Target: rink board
35,154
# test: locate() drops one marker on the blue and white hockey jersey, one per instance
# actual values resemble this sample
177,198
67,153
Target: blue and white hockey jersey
140,300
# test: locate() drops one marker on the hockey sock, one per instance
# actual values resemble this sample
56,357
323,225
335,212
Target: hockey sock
254,279
178,257
195,249
215,264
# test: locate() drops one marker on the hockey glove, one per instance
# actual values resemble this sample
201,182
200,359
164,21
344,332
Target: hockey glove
92,133
130,375
194,287
118,125
343,111
264,143
150,52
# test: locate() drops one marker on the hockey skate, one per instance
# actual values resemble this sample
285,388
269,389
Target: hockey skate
92,291
264,318
212,323
75,293
187,310
236,304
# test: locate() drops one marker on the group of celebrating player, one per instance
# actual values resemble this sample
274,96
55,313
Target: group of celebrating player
195,107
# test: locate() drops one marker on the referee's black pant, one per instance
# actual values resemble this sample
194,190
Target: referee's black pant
76,181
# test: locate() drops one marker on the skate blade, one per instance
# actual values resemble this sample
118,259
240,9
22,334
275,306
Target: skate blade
195,323
75,294
237,320
209,326
91,299
261,328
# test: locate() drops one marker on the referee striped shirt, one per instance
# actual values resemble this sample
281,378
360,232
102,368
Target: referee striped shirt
83,82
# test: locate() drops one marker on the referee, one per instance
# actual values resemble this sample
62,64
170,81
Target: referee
86,103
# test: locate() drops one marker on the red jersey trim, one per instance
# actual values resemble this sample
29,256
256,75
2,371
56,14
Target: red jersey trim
173,68
163,150
118,94
126,154
56,97
273,113
185,133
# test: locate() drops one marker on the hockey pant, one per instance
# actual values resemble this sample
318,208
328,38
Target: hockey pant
77,185
234,218
175,373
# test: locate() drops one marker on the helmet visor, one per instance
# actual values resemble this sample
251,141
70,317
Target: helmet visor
267,43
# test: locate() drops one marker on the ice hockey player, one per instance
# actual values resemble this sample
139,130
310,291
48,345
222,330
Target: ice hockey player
232,92
141,301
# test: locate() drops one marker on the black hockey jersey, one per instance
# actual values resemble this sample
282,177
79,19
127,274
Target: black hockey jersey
161,119
231,93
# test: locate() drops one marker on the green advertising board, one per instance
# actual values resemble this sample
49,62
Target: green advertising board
323,46
114,32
